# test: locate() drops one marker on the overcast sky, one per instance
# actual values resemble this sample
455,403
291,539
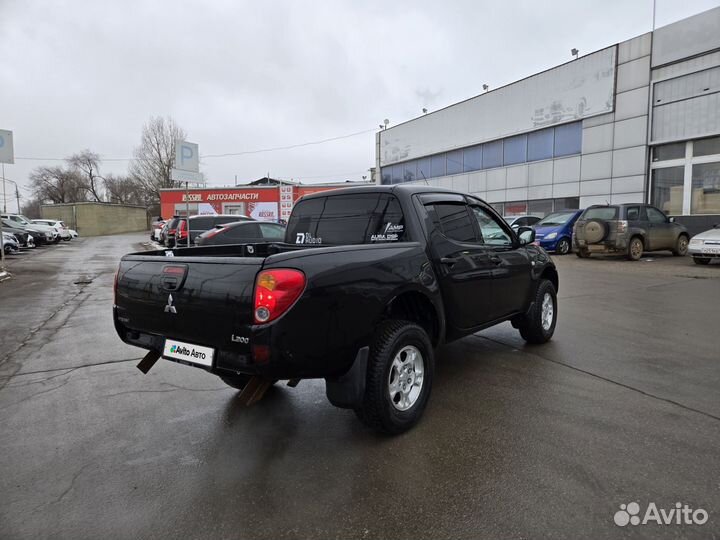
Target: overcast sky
248,75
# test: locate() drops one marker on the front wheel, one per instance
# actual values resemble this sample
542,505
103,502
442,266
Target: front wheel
681,246
538,325
399,378
563,246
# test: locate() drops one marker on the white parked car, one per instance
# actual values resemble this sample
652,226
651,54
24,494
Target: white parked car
62,230
516,222
705,246
73,233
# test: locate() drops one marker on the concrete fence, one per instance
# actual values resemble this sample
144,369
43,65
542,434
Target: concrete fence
97,219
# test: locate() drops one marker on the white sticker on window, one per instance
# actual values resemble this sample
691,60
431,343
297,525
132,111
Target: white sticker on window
307,238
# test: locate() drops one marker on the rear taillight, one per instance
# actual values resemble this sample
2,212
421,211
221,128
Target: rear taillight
275,292
182,230
622,226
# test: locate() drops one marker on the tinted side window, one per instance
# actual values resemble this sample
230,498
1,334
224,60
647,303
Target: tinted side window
202,223
633,213
242,232
453,220
347,219
272,232
491,231
655,216
225,219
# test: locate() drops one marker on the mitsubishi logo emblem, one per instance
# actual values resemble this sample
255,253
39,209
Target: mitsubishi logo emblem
170,308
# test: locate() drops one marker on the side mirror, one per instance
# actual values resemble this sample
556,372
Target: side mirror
671,219
526,235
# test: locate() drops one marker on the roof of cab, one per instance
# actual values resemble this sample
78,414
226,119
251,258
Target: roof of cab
398,189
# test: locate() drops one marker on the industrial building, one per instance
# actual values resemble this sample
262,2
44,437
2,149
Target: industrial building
638,121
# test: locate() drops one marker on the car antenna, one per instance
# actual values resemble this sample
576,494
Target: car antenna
423,175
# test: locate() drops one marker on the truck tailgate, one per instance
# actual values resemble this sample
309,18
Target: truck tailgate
202,300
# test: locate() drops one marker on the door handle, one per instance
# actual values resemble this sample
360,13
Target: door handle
495,259
449,260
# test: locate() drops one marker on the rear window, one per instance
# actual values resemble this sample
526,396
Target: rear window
601,212
347,219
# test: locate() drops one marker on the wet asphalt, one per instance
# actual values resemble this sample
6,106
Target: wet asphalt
623,405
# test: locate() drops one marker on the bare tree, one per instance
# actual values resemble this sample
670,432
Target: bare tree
87,164
123,190
57,185
31,209
155,156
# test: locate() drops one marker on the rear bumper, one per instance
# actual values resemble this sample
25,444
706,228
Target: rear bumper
615,246
265,353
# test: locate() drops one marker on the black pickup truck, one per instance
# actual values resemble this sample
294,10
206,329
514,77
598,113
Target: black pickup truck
368,282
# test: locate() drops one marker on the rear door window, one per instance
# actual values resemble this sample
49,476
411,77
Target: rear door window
364,218
601,212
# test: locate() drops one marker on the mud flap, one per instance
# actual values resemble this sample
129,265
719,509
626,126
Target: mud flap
254,390
347,391
149,361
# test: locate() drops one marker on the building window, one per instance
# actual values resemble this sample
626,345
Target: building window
667,191
540,207
568,139
409,171
516,208
423,169
669,151
386,176
540,144
515,150
437,165
706,147
567,203
492,154
472,158
454,162
705,188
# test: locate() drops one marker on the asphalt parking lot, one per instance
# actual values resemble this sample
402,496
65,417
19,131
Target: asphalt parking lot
518,441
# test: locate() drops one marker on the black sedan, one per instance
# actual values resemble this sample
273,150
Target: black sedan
242,232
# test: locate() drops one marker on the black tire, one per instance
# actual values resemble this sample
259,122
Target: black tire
563,246
701,260
583,253
531,325
635,248
681,246
378,410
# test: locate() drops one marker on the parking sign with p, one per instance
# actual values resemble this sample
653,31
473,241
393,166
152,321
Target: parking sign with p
186,156
6,146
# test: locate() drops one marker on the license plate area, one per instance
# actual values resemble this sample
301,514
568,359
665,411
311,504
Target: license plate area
189,352
711,250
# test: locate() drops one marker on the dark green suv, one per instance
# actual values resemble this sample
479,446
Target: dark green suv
629,229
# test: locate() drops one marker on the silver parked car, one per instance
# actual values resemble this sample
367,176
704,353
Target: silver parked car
705,246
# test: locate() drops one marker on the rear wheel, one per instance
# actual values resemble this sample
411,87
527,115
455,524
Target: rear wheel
583,253
701,260
681,246
399,378
538,325
563,246
635,248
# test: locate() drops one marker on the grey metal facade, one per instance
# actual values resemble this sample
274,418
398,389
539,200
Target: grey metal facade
665,90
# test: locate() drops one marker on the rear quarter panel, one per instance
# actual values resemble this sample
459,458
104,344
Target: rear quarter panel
347,292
